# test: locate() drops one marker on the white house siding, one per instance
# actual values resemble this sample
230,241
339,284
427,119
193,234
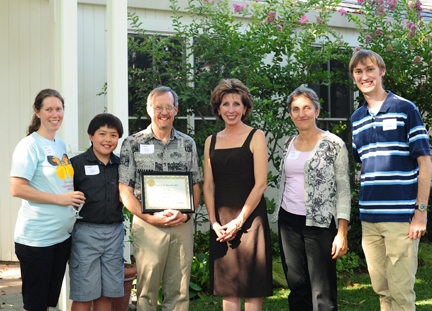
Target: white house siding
24,70
92,71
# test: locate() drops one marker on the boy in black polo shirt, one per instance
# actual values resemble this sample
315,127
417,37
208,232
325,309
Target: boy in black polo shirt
96,261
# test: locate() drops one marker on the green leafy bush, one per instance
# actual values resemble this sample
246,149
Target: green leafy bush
200,275
200,271
202,242
347,265
274,244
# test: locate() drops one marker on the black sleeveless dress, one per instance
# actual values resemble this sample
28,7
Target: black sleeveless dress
243,266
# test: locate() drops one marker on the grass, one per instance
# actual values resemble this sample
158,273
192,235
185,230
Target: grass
354,294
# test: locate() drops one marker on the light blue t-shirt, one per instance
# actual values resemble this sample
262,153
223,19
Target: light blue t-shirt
45,164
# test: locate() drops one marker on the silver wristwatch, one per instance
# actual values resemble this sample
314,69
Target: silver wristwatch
421,207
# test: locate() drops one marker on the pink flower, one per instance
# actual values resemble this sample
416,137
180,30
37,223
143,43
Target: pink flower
320,20
302,20
358,48
271,17
410,25
392,4
279,28
378,32
368,39
410,4
381,10
343,12
238,7
418,6
360,1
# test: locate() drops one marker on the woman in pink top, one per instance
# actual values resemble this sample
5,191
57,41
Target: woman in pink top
314,196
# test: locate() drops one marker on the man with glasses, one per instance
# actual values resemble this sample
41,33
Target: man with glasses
163,241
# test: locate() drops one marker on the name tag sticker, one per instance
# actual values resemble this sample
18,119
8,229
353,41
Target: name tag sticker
293,155
91,169
49,151
146,149
389,124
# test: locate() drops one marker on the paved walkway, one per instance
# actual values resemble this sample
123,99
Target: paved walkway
10,287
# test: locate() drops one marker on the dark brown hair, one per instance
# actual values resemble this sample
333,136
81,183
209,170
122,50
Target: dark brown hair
38,103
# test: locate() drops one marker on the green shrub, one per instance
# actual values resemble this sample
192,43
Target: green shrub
425,254
200,275
202,242
274,244
346,265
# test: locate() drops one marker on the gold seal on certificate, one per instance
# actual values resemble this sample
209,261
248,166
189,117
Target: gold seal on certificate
166,190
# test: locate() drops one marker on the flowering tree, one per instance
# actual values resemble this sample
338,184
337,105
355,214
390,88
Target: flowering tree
396,30
272,46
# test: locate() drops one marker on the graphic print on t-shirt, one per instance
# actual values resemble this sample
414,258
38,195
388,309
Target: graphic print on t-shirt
64,167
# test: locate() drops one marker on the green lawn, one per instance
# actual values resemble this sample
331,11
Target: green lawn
355,294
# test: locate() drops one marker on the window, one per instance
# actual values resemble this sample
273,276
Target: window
337,99
142,77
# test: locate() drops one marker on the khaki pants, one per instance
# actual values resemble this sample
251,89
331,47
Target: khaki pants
391,258
163,255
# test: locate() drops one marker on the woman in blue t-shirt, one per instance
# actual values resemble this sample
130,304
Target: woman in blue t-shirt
41,175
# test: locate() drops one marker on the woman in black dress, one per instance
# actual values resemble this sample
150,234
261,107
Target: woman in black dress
235,177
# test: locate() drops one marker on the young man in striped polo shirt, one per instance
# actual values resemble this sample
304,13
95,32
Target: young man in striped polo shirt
390,141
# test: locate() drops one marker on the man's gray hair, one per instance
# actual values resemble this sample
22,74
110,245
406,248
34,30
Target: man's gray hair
159,91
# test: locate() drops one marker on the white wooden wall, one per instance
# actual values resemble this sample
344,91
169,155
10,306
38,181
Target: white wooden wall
24,71
92,71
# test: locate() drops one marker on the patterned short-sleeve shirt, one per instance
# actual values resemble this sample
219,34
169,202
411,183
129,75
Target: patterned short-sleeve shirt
145,152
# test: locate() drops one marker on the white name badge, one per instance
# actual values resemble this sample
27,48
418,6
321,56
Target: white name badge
293,155
146,149
389,124
49,151
91,169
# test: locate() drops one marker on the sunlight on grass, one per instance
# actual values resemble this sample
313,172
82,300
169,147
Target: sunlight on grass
355,286
424,302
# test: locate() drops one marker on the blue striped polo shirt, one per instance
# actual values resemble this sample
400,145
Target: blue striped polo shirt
387,145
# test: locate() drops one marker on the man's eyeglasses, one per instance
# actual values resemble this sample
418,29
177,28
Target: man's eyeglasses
159,108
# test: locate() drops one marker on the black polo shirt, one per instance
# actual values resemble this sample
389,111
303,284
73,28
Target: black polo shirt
99,183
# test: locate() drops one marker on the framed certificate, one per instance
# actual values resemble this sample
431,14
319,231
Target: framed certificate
166,190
